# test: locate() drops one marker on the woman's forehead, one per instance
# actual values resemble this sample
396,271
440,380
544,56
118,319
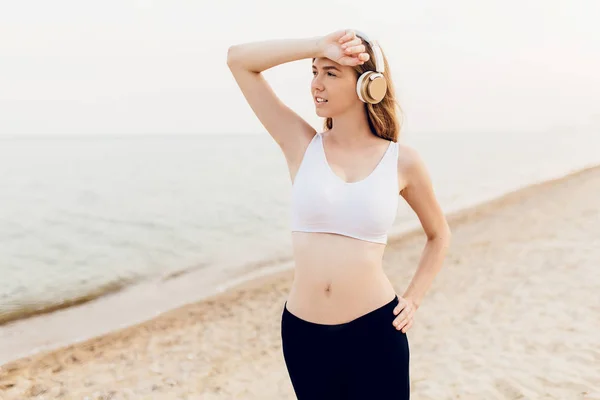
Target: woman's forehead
324,61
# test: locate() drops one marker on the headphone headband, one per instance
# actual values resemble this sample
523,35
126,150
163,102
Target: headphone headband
379,64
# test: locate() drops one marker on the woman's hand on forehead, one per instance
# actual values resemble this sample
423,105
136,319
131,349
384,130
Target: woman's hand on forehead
345,48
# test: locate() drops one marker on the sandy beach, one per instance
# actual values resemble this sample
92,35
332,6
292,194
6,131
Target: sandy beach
514,314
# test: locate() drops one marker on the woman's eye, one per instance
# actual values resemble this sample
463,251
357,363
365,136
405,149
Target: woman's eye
329,73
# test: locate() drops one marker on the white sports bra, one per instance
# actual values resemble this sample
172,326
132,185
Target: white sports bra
324,202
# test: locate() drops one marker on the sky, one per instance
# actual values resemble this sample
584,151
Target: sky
159,67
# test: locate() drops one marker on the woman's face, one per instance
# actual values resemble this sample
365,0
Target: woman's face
336,84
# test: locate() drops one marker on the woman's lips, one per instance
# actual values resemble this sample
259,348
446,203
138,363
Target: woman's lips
320,102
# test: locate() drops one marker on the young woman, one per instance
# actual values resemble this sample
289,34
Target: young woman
343,327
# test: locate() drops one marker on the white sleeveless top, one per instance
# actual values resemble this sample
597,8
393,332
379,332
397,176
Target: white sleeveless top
324,202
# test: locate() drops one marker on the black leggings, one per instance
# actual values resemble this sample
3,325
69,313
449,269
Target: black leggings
366,358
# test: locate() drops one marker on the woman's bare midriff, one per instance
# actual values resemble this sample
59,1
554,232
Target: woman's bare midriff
337,278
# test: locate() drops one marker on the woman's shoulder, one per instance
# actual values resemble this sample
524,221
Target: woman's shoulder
408,156
411,164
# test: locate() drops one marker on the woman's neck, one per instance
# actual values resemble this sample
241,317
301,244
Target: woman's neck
351,128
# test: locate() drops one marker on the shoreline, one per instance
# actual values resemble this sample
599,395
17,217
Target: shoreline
12,350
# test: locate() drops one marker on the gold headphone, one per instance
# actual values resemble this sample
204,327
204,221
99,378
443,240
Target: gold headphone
371,86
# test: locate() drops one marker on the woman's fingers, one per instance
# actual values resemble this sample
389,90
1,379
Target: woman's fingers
401,319
399,307
355,49
349,60
402,308
408,325
404,312
350,34
351,43
353,59
403,322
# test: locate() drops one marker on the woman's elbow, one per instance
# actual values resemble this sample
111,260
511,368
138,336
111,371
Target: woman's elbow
232,53
443,234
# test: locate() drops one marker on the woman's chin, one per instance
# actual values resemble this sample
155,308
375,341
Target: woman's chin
322,113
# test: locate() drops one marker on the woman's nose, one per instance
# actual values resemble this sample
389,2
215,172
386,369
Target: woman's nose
317,83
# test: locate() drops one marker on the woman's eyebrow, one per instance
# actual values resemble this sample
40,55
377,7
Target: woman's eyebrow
328,67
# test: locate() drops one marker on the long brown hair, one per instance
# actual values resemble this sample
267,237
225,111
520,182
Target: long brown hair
384,117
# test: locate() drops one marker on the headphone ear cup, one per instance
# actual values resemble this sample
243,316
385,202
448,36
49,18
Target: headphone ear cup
376,87
371,87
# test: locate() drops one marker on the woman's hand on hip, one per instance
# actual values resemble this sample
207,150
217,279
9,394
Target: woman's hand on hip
405,311
344,47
